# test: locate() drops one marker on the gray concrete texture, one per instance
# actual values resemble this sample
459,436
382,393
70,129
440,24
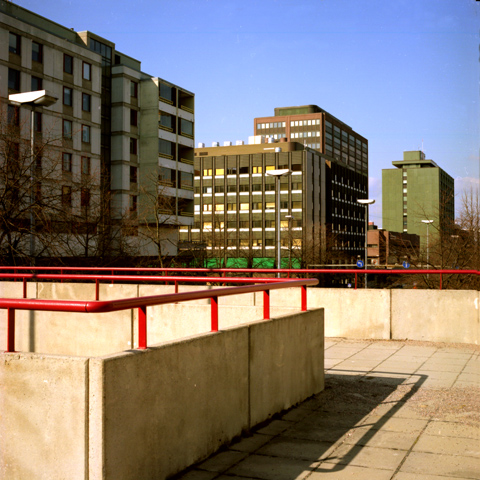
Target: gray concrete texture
391,410
149,414
363,314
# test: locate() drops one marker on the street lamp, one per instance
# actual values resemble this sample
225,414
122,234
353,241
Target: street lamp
290,220
427,222
277,174
366,202
40,98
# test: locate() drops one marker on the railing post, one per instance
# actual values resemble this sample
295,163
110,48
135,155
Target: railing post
214,302
142,328
355,281
304,298
24,287
97,289
176,286
10,330
266,304
441,277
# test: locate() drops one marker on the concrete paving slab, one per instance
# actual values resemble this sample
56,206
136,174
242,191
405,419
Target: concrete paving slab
381,439
273,468
252,443
416,476
349,471
222,461
275,427
448,445
298,448
452,429
393,424
439,464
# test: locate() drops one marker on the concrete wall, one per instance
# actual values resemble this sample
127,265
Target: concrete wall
433,315
150,414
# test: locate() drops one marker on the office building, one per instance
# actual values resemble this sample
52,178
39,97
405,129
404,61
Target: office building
236,221
417,190
122,138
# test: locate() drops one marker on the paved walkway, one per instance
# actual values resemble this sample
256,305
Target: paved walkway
390,411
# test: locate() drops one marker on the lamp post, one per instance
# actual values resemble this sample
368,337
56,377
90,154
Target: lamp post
427,222
366,202
277,174
40,98
290,220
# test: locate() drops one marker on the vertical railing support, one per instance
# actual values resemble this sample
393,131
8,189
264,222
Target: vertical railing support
266,304
441,277
214,302
176,286
10,330
142,328
24,288
355,281
304,298
97,290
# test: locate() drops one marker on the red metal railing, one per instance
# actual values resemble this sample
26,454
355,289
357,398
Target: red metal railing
141,303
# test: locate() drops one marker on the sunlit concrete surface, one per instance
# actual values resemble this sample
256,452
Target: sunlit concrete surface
391,410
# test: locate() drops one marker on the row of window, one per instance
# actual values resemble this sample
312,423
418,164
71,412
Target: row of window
250,224
67,163
67,130
256,187
166,121
15,47
172,178
305,134
271,125
85,196
220,207
208,172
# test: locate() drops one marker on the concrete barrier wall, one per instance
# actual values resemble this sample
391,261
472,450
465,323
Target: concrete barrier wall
447,315
150,414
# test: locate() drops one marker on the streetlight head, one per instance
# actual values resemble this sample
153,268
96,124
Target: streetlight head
42,98
279,173
365,201
427,221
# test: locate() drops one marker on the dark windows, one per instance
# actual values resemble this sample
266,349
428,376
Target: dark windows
67,96
13,115
166,176
67,63
133,89
13,79
66,162
14,42
36,84
37,52
85,134
133,203
166,121
133,117
133,146
186,180
85,197
37,121
86,71
167,93
166,148
67,196
67,129
86,102
86,165
133,174
186,128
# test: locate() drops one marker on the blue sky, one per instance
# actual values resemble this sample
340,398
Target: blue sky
401,73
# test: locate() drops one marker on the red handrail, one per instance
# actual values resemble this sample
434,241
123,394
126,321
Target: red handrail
142,303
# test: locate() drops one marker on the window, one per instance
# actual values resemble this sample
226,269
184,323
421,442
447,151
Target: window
244,206
231,206
37,52
13,115
133,146
167,93
133,174
270,205
186,128
208,172
67,162
85,197
133,117
269,223
14,42
13,79
67,63
67,96
219,189
165,120
86,165
133,203
186,180
219,171
256,169
219,207
36,84
166,148
85,134
207,207
166,176
133,89
66,195
37,121
86,102
86,71
67,129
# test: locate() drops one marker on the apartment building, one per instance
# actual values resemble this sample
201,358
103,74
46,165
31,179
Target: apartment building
122,138
417,195
236,219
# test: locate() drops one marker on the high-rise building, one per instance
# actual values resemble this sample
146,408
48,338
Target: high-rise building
236,220
118,133
315,128
417,190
